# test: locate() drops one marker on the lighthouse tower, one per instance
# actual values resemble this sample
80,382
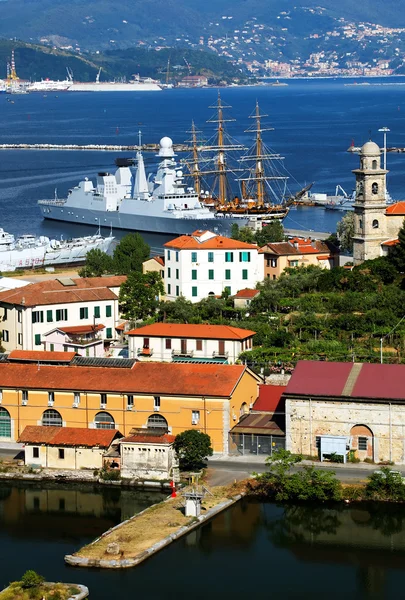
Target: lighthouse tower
370,205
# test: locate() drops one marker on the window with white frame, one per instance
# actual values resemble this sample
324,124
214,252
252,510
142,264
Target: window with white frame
130,400
24,396
76,397
156,403
51,397
195,417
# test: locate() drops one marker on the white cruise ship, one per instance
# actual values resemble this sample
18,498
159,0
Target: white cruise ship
49,85
29,251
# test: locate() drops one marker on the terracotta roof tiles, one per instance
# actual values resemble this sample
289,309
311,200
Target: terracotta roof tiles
296,246
396,209
53,291
179,379
247,293
218,242
41,356
181,330
149,439
68,436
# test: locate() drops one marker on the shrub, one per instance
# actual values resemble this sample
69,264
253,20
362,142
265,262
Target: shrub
31,579
386,484
110,474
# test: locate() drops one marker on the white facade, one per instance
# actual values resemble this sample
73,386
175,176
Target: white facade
146,460
23,327
199,272
168,349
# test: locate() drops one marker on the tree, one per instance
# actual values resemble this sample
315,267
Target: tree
274,232
397,254
193,448
31,579
98,263
181,310
243,234
345,232
139,295
130,253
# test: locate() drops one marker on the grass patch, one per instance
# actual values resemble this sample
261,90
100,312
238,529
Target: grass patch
57,591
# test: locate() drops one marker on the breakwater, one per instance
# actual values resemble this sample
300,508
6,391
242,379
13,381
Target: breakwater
101,147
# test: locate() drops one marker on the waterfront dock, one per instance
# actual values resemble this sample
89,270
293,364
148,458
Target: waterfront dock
314,235
140,537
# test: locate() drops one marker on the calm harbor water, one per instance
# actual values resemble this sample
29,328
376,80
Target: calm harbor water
314,121
353,552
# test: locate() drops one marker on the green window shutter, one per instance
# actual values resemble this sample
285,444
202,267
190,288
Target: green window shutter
228,289
194,274
97,312
169,272
169,288
210,257
194,292
194,257
49,316
177,290
108,311
177,274
211,274
227,274
37,339
109,333
244,274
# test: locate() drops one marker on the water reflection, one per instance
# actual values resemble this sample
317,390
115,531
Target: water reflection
47,511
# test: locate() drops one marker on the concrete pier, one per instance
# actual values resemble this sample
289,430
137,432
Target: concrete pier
93,147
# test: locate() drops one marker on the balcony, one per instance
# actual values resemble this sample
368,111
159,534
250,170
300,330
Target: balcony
220,354
144,351
188,353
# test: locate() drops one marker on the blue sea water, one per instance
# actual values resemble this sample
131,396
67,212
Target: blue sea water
314,124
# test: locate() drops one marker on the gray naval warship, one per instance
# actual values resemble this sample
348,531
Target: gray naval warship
125,200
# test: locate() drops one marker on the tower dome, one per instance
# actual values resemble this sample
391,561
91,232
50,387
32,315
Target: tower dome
370,149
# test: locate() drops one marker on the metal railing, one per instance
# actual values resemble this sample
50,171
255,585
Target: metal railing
183,353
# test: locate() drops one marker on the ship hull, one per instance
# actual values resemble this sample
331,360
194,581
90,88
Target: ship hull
67,253
136,222
114,87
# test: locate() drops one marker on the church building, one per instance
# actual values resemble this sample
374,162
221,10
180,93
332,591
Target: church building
376,224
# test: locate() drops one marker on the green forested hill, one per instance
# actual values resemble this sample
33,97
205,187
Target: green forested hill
35,62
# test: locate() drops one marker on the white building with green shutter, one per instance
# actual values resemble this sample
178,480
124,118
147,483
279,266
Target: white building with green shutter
28,315
206,264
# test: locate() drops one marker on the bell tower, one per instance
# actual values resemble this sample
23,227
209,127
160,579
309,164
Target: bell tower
370,205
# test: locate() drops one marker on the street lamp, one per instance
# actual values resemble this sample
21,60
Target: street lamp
385,130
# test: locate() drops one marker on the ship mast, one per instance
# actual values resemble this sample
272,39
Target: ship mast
196,174
258,177
220,147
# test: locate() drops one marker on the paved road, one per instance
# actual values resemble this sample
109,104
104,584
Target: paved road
222,472
6,454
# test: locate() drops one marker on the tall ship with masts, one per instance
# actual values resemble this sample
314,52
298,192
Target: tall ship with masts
241,182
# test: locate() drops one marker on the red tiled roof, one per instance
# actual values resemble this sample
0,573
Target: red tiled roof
367,381
121,326
296,246
269,399
82,328
68,436
396,209
213,380
90,289
149,439
41,356
181,330
160,260
219,242
246,293
391,242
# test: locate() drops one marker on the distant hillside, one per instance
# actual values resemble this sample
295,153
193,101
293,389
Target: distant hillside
106,23
34,61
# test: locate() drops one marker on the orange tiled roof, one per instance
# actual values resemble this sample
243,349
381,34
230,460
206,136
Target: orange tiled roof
149,439
159,259
219,242
246,293
396,209
183,379
41,356
82,328
181,330
296,246
391,242
121,326
68,436
90,289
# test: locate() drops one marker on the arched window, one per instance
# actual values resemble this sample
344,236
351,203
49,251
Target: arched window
375,224
244,409
104,420
374,188
157,422
361,223
5,423
374,165
51,418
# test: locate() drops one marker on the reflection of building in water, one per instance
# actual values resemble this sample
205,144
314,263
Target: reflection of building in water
372,538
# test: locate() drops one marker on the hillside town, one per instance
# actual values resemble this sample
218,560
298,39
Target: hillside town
103,372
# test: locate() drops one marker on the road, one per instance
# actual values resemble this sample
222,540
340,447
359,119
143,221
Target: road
222,472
